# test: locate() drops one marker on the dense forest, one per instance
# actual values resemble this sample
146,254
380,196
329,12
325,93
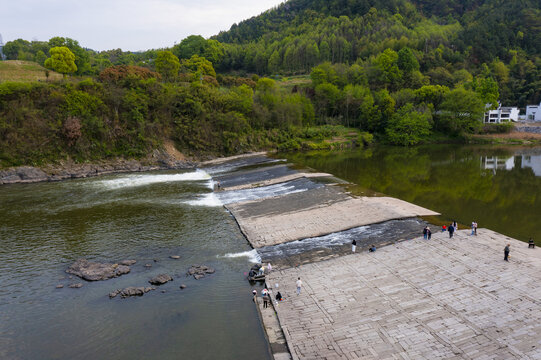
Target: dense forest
404,70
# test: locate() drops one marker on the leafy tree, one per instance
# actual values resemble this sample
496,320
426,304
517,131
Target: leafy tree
40,57
82,58
388,72
461,111
167,65
62,60
408,126
12,48
198,66
407,62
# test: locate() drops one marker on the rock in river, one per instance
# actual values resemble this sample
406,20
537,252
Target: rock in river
76,286
199,271
128,262
93,271
160,279
131,291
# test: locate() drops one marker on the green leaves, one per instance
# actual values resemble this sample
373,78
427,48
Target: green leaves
62,60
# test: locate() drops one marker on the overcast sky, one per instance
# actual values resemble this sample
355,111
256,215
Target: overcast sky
126,24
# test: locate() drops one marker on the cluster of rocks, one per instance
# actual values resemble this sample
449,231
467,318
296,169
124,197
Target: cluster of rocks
200,271
94,271
160,279
131,291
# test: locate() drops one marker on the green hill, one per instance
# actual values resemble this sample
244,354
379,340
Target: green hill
17,70
445,36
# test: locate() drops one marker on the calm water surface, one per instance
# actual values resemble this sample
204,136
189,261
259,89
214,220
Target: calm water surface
45,227
500,188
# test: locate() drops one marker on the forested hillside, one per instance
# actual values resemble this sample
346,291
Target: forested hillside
407,71
445,36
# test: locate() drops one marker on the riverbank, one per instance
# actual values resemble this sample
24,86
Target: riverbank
63,170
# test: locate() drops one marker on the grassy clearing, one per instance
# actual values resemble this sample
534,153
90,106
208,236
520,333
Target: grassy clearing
25,71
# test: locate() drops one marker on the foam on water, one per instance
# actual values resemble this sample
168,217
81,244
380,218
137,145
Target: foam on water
252,256
210,200
148,179
229,197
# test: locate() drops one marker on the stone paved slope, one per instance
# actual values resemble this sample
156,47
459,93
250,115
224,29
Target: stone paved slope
438,299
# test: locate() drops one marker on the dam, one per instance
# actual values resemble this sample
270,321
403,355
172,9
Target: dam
443,298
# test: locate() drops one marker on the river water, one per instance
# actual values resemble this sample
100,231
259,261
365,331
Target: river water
46,226
498,187
148,217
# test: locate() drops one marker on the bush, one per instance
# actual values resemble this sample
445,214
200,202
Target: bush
504,128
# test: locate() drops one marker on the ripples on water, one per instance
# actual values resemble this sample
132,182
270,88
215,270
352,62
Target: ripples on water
146,217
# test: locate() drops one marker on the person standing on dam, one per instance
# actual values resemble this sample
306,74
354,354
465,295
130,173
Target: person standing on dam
506,252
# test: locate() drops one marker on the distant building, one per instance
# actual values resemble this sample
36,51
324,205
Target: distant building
502,114
533,113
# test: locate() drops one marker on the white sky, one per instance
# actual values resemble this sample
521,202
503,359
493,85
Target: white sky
126,24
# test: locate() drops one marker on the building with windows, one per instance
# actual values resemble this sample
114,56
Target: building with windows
533,113
501,114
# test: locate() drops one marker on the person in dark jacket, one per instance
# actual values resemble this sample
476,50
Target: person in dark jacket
506,252
451,230
531,244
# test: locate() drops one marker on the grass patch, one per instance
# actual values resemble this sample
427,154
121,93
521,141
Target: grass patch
25,71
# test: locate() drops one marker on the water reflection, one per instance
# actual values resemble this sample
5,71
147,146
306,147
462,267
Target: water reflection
499,187
533,162
525,161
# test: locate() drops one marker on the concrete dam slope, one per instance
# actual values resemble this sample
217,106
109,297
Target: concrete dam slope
444,298
419,299
313,213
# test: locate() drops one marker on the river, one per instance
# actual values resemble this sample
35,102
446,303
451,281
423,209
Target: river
45,227
498,187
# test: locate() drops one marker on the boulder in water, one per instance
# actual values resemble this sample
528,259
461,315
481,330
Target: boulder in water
127,262
59,286
200,271
131,291
160,279
76,286
176,257
93,271
182,286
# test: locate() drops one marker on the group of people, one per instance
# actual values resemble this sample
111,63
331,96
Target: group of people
372,248
266,295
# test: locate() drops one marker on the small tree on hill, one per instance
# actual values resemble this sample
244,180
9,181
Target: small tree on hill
62,60
167,65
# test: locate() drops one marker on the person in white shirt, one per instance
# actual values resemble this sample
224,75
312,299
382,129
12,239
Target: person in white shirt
299,285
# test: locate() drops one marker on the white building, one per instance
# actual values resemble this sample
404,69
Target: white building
501,114
533,113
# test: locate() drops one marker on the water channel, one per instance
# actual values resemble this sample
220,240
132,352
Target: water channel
44,227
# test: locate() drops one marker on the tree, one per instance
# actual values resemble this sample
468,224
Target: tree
461,111
198,65
62,60
408,126
82,57
40,57
167,65
407,62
